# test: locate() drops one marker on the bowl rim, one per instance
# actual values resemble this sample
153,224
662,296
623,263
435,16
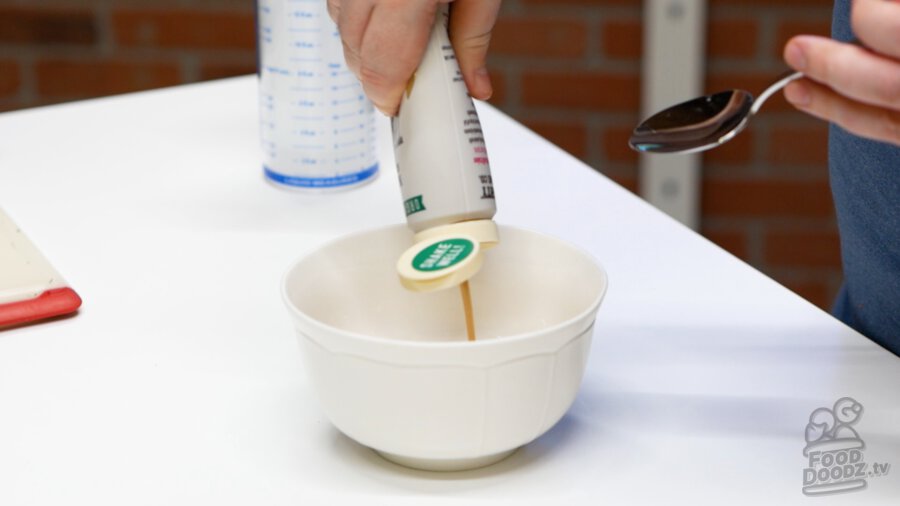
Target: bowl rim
507,340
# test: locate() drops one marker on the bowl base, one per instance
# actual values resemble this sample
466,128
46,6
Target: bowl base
446,464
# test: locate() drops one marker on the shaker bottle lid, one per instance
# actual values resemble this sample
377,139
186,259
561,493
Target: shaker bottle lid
445,258
484,231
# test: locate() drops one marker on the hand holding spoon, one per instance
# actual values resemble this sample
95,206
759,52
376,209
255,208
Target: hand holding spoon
702,123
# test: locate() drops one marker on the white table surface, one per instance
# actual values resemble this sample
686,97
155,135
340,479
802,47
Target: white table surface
179,381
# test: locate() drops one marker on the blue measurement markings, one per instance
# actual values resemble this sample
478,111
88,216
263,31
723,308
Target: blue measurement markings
342,145
345,101
302,14
340,160
338,117
277,70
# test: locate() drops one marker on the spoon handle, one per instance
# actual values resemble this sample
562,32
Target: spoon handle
782,81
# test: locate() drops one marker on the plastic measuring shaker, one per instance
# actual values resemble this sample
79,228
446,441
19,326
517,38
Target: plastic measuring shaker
445,177
317,127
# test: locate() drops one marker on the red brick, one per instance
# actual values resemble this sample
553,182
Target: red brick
12,105
732,38
629,182
10,77
536,37
799,145
581,90
570,136
43,26
753,82
499,84
737,151
803,248
581,2
622,39
788,29
732,241
76,79
222,70
615,144
776,3
818,291
184,29
766,198
726,39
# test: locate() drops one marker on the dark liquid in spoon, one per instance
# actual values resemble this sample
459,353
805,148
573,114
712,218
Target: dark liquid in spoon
695,124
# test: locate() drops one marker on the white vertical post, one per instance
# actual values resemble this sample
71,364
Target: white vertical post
673,71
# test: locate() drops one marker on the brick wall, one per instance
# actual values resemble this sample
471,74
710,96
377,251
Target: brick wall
57,50
569,69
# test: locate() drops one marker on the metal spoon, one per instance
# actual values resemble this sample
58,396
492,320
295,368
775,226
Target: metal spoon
702,123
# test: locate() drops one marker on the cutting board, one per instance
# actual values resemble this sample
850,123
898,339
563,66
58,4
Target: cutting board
30,288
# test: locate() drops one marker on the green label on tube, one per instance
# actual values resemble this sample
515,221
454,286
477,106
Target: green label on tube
414,205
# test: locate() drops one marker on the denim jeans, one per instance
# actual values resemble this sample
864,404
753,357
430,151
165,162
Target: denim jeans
865,183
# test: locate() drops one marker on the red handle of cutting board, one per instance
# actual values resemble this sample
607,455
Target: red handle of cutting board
55,302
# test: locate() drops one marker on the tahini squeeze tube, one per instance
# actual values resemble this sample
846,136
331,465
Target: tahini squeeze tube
445,177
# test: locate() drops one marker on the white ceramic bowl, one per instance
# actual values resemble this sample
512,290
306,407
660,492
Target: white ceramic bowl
393,370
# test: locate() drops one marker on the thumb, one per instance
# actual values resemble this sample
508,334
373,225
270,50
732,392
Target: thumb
471,22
